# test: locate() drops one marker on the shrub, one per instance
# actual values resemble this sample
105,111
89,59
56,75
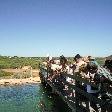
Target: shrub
4,74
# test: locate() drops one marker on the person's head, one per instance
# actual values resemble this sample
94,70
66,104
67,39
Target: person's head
63,60
90,58
92,67
108,65
77,58
48,58
52,61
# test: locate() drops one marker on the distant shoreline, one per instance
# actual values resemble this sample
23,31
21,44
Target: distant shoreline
9,81
12,82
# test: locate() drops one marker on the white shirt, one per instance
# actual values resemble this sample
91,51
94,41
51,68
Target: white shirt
78,65
55,67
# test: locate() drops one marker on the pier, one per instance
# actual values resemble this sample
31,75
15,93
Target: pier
75,95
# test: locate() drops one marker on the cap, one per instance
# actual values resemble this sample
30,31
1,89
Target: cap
77,57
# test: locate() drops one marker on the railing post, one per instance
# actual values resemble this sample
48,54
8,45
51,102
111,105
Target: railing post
76,95
88,106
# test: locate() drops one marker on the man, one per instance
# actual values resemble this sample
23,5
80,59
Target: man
93,76
78,62
108,65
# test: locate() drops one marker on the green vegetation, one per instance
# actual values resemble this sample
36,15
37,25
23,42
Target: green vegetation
7,62
100,60
19,62
4,74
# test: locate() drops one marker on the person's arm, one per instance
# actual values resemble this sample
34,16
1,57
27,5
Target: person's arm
87,76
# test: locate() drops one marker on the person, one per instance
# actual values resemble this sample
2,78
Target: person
56,68
94,77
90,58
64,70
78,62
108,65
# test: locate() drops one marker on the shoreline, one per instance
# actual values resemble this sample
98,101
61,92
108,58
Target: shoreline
13,82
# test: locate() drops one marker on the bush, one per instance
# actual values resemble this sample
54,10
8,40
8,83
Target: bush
4,74
19,62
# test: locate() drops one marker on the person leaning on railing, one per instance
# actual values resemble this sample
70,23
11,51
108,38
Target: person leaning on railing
101,84
93,77
56,70
52,69
58,67
88,70
78,62
108,65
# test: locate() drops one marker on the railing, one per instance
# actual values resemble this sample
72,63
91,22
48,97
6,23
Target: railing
75,95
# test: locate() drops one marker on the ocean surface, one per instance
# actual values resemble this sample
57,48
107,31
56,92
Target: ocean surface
29,98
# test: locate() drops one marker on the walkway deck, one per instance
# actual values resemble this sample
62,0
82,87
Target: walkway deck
74,94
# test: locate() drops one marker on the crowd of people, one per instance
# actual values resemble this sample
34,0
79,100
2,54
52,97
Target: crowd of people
86,67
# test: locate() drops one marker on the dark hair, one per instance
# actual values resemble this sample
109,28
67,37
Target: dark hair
62,58
91,66
77,57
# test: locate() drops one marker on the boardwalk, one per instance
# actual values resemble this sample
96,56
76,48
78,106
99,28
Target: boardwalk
74,94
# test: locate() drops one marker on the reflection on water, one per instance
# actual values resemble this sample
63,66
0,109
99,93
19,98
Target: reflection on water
27,98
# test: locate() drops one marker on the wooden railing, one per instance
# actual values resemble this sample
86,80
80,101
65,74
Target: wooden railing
75,95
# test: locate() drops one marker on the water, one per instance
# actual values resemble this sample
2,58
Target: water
28,98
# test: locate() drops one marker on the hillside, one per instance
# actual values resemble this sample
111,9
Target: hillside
19,62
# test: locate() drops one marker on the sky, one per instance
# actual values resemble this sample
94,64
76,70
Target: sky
55,27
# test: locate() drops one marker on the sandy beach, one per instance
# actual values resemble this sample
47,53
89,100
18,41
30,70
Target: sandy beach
11,82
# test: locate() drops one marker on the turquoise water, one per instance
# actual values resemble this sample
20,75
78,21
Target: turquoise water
28,98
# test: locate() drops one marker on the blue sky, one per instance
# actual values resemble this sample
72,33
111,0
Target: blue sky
38,27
